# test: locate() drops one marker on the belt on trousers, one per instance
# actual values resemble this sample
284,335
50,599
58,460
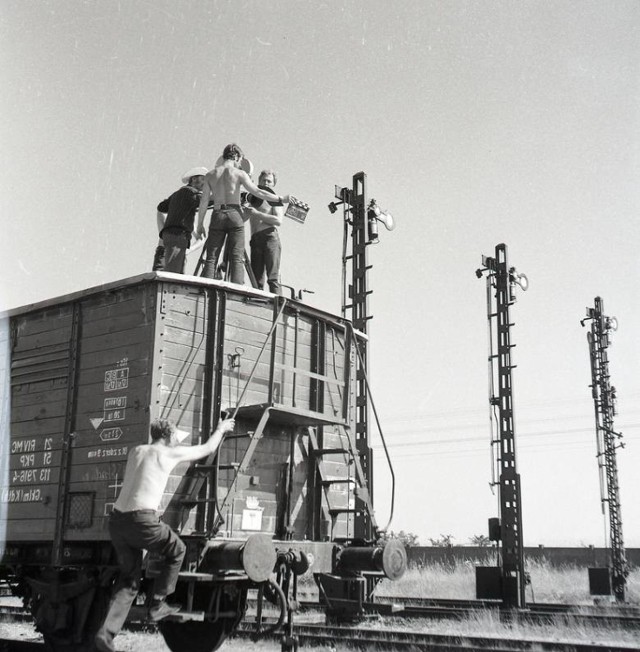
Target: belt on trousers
117,512
221,207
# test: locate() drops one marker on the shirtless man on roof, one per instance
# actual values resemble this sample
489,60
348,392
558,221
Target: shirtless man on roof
225,182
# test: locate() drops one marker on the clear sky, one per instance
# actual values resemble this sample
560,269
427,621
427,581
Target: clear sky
476,123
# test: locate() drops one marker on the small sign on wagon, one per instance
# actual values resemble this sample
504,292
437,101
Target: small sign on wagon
111,434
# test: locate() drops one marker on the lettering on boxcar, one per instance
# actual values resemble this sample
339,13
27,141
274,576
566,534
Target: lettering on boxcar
27,460
20,495
115,408
108,452
110,434
116,379
23,445
24,476
111,474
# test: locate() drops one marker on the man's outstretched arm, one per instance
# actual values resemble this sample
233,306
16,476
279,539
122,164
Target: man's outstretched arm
258,192
193,453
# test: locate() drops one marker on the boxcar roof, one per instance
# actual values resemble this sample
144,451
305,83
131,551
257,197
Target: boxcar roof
168,276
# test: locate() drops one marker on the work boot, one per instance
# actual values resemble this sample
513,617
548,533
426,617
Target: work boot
104,641
160,609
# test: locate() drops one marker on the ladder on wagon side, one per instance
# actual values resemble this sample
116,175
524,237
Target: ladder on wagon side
304,425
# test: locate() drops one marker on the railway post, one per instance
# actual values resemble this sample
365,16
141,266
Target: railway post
607,440
360,219
501,283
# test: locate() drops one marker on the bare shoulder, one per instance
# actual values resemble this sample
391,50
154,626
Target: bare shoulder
212,176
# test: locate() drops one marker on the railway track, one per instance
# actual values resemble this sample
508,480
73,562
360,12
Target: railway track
388,638
627,618
385,639
402,640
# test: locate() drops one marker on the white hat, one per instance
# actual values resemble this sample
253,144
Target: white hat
193,172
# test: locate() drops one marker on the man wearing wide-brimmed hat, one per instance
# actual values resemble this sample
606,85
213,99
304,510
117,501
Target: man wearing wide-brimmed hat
176,216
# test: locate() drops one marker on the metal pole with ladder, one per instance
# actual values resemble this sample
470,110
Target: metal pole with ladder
355,216
501,283
608,440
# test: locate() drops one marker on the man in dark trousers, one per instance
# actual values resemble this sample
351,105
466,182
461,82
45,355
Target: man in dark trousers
265,241
176,216
226,182
134,524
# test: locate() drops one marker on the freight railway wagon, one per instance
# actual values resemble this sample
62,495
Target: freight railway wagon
287,494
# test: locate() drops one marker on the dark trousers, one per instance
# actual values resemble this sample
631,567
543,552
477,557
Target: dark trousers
226,224
265,257
131,533
158,258
176,244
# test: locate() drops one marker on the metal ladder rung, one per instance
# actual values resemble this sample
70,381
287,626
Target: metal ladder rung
212,467
345,510
327,483
196,577
331,451
198,501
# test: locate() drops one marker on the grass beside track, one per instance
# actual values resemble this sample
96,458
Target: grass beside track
568,585
550,584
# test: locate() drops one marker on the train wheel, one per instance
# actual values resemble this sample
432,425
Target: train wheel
207,635
196,636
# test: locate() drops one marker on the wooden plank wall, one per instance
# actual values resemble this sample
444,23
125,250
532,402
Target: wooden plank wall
247,326
112,406
109,411
181,353
39,378
142,354
259,502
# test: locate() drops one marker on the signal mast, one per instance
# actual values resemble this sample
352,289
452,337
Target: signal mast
607,439
360,220
501,284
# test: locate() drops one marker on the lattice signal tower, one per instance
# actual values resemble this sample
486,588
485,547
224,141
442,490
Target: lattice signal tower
607,439
501,284
360,218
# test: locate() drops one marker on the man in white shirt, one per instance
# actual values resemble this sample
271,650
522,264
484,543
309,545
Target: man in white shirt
135,525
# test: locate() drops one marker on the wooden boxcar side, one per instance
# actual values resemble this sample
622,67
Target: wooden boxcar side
80,390
217,348
88,372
